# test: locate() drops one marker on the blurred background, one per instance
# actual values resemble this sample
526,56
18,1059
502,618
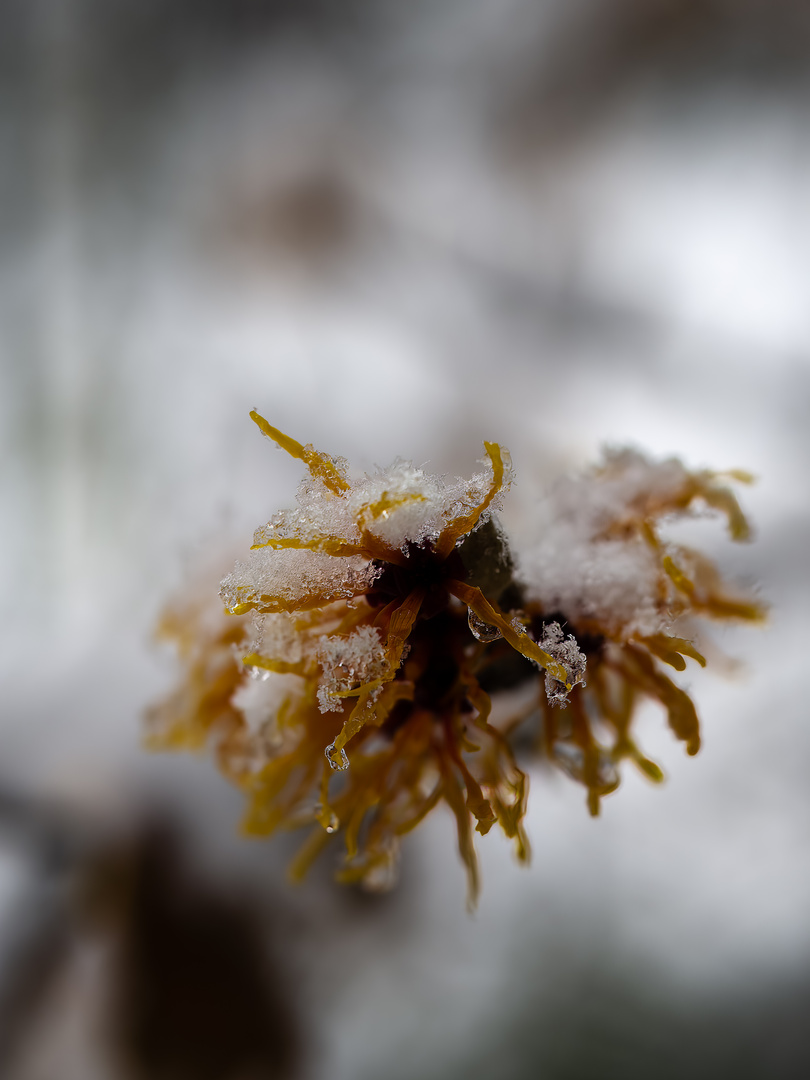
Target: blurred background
395,229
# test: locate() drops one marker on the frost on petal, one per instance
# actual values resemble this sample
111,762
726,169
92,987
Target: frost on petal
404,505
261,700
596,554
276,637
400,504
611,583
348,662
629,485
567,653
319,513
293,580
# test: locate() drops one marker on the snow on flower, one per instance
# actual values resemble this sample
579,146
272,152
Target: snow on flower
599,566
348,684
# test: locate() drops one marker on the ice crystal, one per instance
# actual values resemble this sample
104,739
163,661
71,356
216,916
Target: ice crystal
347,661
566,652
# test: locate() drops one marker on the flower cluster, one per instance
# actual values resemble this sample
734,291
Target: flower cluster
349,683
633,602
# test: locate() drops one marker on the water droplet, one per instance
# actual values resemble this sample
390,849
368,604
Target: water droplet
338,759
328,818
480,629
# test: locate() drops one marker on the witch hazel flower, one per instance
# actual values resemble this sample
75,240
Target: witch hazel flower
599,566
349,684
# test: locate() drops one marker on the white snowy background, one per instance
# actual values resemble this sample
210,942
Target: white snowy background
401,229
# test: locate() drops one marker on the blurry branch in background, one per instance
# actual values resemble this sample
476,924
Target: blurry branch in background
190,987
601,53
47,845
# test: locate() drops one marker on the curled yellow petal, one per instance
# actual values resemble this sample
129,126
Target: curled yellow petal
672,650
321,466
465,523
520,641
